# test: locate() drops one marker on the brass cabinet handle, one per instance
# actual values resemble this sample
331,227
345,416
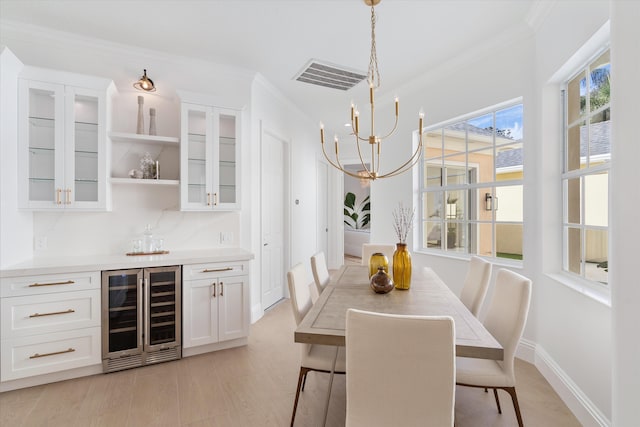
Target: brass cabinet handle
37,355
52,313
58,192
208,199
221,289
67,282
215,199
216,270
214,289
68,196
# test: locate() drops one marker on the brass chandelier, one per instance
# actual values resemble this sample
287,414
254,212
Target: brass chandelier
372,172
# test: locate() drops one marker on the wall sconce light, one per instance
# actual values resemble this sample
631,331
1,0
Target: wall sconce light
490,202
452,211
145,83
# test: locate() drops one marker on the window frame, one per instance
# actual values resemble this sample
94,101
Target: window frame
491,186
582,174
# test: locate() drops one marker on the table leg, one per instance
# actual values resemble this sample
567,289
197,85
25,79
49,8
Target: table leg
333,371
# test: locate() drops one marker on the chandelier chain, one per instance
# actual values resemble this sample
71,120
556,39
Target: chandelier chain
374,73
371,167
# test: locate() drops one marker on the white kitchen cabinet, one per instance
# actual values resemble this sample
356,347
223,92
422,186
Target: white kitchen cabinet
215,303
50,323
209,154
63,159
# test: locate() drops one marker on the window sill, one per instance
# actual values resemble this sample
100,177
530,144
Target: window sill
500,262
583,287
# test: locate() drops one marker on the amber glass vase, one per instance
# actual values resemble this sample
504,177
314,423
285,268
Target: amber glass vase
402,267
378,259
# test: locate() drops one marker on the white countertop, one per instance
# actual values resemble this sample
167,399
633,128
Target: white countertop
72,264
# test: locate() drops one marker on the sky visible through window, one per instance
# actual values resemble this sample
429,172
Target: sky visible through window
507,119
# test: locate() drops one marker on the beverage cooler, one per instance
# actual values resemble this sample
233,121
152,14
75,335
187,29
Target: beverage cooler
141,317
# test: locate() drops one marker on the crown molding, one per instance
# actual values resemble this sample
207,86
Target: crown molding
32,33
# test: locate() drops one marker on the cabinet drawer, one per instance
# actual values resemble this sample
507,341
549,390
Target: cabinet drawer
50,283
42,314
44,354
214,270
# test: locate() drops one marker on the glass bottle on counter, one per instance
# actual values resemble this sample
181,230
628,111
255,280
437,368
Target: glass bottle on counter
147,241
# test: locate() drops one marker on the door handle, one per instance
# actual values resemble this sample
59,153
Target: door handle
266,244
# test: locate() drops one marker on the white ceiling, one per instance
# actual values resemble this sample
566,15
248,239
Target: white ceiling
278,37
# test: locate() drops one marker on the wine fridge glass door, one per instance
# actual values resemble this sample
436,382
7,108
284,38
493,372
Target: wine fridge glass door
122,312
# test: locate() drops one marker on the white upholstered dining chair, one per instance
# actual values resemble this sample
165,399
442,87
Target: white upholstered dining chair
320,272
476,284
314,357
505,320
400,370
369,249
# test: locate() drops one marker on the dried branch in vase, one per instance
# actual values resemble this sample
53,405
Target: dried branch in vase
403,222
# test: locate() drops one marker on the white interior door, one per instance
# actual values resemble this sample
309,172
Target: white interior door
273,214
322,210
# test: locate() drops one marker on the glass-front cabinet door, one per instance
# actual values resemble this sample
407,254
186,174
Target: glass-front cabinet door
196,155
42,152
227,122
85,175
62,158
209,158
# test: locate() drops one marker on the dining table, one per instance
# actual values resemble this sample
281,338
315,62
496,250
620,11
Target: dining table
428,295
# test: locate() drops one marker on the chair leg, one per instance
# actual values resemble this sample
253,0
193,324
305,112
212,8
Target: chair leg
516,407
303,374
495,393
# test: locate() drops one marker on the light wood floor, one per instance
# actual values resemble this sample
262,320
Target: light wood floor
247,386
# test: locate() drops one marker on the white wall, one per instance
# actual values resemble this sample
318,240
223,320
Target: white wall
625,70
574,330
271,112
15,226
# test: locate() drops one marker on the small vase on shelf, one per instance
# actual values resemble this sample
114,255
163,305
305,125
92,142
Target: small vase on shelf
402,267
152,121
140,127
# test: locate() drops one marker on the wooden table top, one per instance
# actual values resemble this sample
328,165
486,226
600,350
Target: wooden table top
428,296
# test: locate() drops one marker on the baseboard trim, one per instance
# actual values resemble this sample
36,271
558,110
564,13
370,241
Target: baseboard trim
582,407
194,351
51,378
256,313
526,351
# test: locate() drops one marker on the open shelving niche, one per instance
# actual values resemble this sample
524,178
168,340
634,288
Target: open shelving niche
156,145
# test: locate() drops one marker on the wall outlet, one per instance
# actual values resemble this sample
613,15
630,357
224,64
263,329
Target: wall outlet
40,243
226,237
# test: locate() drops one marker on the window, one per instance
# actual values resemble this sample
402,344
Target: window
471,184
585,178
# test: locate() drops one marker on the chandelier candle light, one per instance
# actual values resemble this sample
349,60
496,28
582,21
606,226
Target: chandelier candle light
372,172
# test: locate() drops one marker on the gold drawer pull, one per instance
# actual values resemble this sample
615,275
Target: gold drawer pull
68,282
69,350
216,270
51,314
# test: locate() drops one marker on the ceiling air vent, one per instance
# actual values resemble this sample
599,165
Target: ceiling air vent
329,75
